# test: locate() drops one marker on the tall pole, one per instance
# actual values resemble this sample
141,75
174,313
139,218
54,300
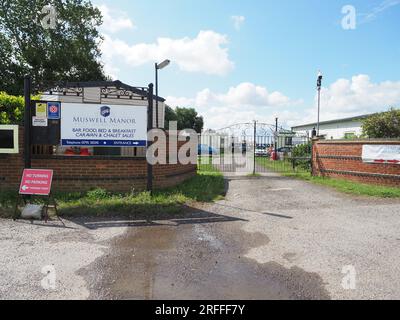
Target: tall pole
27,122
319,108
276,138
149,127
156,66
255,147
319,85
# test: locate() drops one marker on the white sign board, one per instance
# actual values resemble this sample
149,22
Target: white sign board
381,154
103,125
39,122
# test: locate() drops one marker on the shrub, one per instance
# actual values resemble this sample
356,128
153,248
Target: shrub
383,125
97,194
11,109
302,151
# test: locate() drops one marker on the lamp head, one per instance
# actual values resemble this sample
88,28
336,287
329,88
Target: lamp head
319,80
163,64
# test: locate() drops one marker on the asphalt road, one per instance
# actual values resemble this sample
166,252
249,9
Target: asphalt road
272,238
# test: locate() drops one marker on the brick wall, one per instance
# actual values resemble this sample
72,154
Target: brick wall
343,159
82,174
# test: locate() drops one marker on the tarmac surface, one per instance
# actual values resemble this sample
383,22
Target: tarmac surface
271,238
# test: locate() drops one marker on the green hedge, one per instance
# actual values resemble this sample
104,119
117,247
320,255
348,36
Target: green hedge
11,109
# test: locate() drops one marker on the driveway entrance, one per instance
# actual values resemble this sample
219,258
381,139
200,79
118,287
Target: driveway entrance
271,238
252,148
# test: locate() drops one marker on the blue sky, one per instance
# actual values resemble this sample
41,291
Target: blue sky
237,60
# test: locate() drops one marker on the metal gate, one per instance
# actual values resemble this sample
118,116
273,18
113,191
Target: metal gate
254,148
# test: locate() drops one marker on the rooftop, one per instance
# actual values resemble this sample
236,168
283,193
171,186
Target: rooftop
336,121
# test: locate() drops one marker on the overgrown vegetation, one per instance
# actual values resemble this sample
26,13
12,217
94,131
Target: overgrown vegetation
349,187
205,187
382,125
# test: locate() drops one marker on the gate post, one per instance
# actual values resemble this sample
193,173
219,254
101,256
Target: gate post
149,143
27,122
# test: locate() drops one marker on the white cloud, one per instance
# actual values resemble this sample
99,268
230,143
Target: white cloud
345,98
383,6
243,95
206,53
243,103
238,21
246,102
114,20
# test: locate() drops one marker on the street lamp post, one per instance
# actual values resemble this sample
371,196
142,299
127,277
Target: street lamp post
159,66
319,85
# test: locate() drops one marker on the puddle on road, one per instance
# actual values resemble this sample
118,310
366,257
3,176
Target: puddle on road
183,262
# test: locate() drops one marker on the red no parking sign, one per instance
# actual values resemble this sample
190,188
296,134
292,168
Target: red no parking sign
36,182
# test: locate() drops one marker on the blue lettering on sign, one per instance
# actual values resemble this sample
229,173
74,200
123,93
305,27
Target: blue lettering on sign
104,143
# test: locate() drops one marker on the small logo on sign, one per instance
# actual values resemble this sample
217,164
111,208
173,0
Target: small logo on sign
53,110
105,111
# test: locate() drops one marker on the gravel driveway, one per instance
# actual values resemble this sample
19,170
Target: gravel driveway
271,238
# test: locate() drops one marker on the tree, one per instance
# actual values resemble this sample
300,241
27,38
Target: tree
383,125
188,118
170,115
68,50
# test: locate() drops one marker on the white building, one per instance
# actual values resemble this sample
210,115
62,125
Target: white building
335,129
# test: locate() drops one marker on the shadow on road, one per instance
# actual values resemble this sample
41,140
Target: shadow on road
191,216
277,215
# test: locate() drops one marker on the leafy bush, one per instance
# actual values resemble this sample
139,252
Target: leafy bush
303,151
11,109
97,194
383,125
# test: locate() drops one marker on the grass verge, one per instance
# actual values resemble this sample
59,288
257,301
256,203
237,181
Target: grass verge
205,187
351,187
346,186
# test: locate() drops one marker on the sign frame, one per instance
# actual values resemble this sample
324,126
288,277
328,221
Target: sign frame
22,191
103,130
15,129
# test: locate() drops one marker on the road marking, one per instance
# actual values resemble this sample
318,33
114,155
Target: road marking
281,189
